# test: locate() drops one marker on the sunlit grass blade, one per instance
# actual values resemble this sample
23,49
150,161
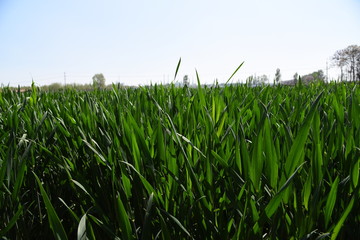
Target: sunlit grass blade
100,156
234,73
331,200
276,200
177,69
146,184
340,223
70,210
81,231
298,145
200,91
123,219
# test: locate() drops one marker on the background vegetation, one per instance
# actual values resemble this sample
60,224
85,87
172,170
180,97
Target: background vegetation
233,162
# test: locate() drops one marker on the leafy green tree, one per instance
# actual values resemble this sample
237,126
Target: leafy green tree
55,87
314,76
319,75
98,80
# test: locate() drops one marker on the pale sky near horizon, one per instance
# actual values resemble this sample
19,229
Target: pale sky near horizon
140,42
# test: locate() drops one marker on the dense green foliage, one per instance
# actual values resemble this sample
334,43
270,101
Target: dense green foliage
160,162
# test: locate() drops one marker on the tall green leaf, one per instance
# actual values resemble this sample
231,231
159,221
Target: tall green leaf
54,221
330,202
293,159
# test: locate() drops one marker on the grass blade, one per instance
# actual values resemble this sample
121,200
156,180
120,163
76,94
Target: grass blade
177,222
234,73
276,200
297,147
146,234
54,221
123,219
12,222
331,199
342,219
81,231
177,69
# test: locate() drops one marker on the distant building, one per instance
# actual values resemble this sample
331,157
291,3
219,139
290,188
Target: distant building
288,82
307,79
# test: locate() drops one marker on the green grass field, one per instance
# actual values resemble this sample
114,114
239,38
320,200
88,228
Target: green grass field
165,162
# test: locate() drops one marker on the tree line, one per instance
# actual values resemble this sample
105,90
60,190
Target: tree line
348,60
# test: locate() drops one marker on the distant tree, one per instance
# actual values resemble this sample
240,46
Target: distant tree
319,75
358,67
264,79
186,80
277,75
314,76
339,60
98,80
259,80
353,54
54,87
349,58
249,80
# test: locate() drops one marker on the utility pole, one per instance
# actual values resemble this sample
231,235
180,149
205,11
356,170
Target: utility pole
64,79
327,72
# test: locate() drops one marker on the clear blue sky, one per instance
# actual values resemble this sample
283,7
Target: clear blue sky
138,42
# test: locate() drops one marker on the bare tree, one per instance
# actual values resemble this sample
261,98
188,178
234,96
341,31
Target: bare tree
350,59
277,75
358,67
339,60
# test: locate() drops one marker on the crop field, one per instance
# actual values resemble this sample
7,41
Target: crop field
166,162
